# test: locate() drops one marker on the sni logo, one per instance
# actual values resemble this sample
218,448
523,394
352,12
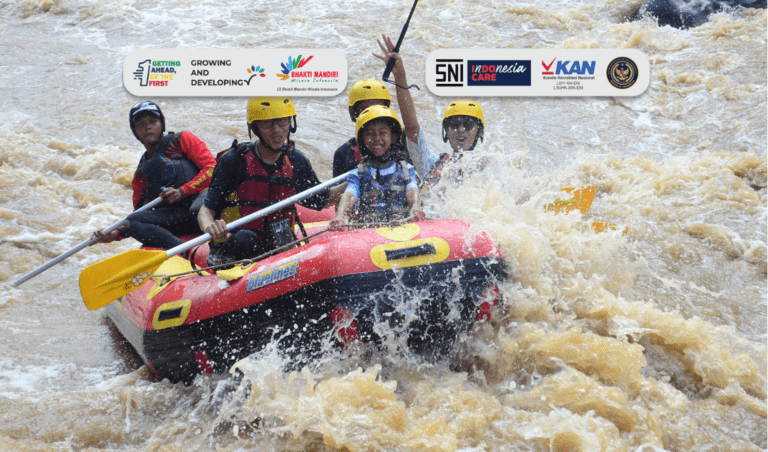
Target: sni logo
449,72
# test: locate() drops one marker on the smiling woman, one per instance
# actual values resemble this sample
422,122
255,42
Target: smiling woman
384,186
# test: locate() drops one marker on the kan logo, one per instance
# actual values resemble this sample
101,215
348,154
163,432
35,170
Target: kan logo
569,68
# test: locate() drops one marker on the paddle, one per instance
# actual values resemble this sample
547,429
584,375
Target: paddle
391,62
602,226
582,200
88,242
110,279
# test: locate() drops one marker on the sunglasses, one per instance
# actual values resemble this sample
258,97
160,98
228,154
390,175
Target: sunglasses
456,123
269,123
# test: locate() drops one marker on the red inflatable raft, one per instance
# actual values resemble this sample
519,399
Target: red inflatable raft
428,281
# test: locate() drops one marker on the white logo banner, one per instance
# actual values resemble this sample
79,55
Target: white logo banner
537,72
235,72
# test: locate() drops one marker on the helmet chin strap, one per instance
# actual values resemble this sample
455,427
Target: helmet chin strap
278,150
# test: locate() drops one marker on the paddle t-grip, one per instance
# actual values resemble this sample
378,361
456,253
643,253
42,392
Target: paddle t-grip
391,62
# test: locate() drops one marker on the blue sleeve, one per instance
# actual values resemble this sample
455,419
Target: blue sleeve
353,184
412,183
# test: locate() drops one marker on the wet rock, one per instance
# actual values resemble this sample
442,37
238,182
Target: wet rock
687,14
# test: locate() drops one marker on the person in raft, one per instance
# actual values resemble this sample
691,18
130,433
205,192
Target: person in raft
365,93
463,123
384,183
254,175
175,166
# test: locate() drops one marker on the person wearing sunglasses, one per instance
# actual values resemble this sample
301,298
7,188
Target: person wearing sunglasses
176,167
462,127
254,175
384,186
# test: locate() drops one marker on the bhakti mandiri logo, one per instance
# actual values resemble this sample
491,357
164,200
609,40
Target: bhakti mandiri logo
296,72
290,70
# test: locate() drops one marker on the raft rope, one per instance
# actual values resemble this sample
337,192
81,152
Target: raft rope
165,279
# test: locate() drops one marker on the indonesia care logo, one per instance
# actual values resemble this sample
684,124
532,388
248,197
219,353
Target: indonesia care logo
499,73
622,72
156,73
295,72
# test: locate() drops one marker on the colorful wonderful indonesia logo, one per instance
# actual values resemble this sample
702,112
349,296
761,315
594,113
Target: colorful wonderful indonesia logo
258,70
289,70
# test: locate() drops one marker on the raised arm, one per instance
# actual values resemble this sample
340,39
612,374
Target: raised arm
404,100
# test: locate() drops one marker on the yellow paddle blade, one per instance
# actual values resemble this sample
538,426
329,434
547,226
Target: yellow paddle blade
581,200
602,226
110,279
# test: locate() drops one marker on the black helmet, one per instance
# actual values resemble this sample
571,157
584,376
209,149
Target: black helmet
143,107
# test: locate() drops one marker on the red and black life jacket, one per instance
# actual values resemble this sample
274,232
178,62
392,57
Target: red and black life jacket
434,176
261,189
355,150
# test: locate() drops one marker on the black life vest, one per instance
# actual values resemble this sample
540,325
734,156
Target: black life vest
161,171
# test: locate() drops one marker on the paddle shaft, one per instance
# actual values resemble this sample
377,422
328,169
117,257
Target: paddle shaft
261,213
79,247
391,62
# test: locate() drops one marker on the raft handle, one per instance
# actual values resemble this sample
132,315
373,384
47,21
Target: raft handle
402,253
168,314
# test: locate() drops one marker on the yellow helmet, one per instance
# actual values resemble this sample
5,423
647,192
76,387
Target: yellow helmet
367,89
466,107
261,108
373,113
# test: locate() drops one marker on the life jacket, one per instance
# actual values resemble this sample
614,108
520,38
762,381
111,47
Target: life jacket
434,176
261,189
161,171
382,200
355,150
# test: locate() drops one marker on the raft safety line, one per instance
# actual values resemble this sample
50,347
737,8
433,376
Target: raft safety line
164,279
